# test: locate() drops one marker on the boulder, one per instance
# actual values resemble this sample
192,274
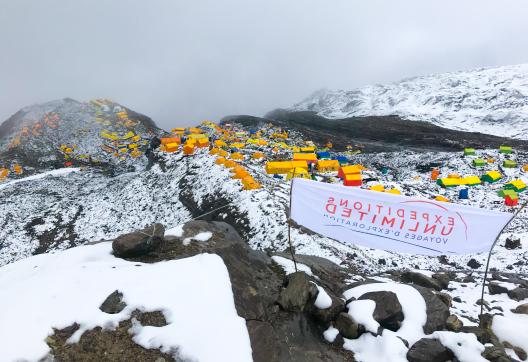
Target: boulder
298,291
325,316
521,353
422,280
445,298
346,326
495,288
113,304
454,324
496,354
521,309
444,279
482,334
139,242
512,243
436,310
429,350
518,294
474,264
388,312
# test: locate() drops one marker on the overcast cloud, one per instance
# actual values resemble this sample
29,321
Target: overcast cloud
180,62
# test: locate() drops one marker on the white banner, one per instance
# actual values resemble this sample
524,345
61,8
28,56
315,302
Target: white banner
392,222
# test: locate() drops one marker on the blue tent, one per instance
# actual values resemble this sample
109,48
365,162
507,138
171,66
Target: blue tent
234,149
321,155
463,194
340,159
252,131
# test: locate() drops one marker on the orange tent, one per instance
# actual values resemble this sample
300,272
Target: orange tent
172,147
257,155
237,156
220,161
230,163
17,169
168,140
188,149
4,172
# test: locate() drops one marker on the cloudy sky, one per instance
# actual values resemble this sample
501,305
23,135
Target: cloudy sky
185,61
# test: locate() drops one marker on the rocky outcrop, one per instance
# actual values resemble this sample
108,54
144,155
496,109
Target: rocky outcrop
388,312
429,350
139,242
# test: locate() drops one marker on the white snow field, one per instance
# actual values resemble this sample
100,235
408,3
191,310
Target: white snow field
52,173
489,100
196,300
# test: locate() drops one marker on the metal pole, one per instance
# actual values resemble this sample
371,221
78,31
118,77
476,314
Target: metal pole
289,223
489,255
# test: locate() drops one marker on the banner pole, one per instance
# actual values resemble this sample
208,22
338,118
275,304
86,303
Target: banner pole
489,255
289,223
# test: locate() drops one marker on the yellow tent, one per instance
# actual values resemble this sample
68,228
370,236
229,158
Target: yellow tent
393,191
308,157
220,143
223,153
230,163
237,156
249,183
327,165
220,161
202,142
441,198
197,136
378,187
298,172
214,151
283,167
257,155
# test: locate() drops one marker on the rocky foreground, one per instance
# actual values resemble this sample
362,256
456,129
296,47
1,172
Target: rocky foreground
306,315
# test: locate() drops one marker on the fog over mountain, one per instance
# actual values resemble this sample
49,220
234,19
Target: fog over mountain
181,61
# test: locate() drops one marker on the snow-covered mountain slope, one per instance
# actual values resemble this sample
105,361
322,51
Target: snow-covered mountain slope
490,100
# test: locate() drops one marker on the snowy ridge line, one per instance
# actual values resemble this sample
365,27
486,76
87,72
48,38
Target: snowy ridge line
58,172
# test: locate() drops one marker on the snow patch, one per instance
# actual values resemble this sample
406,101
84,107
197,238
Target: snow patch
323,300
203,236
175,231
330,334
362,312
289,266
53,173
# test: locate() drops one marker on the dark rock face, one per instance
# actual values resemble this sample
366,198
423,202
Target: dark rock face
140,242
482,334
443,279
437,311
297,293
473,264
113,304
518,294
346,326
495,354
423,280
388,312
454,324
512,243
495,288
429,350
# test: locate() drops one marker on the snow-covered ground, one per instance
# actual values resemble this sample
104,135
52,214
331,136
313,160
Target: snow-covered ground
490,100
199,308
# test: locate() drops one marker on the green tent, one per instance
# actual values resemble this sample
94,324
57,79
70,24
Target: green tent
491,177
509,164
516,185
469,152
479,162
511,193
505,149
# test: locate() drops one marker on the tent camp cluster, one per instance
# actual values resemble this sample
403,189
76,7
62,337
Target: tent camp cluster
34,128
497,168
16,169
120,136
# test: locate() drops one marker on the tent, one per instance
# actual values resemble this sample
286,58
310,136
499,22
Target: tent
510,193
197,136
377,187
434,174
346,170
220,161
505,150
491,176
230,164
516,185
469,151
471,181
508,201
202,142
509,164
168,140
223,153
352,179
283,167
309,149
188,149
341,159
479,162
172,147
257,155
525,168
4,172
220,143
449,182
298,172
463,194
239,172
393,191
237,156
308,157
327,165
213,151
249,183
441,198
322,155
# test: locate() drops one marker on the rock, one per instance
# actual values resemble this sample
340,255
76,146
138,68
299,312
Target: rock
421,280
474,264
325,316
482,334
388,312
521,353
457,299
496,354
263,341
485,321
495,288
297,293
346,326
437,311
512,243
468,279
139,242
382,262
454,324
518,294
113,304
446,299
521,309
429,350
443,279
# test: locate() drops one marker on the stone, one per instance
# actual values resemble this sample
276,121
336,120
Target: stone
521,353
457,299
454,324
113,304
443,279
346,326
421,280
521,309
429,350
263,341
474,264
468,279
496,354
436,310
495,288
512,243
325,316
518,294
298,291
139,242
482,334
388,312
445,298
